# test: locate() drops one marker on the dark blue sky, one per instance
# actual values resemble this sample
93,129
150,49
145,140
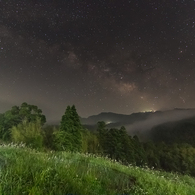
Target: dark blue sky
118,56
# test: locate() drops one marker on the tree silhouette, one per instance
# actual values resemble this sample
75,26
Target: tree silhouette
69,135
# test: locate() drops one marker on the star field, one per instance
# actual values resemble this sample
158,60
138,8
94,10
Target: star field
118,56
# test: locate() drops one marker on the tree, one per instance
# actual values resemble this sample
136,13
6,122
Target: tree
29,133
102,135
114,144
69,135
139,154
48,138
31,113
127,148
16,115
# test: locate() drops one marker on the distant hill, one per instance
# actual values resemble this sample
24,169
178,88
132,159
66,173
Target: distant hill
182,131
109,117
138,123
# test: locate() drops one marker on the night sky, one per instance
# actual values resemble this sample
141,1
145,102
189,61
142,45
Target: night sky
102,55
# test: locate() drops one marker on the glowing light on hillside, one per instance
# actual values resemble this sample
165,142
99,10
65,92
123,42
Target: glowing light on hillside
150,110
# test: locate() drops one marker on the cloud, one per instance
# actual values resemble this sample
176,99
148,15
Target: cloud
160,118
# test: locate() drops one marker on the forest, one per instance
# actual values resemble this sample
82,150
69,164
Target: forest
171,147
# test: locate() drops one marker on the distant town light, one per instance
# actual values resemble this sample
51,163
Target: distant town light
149,111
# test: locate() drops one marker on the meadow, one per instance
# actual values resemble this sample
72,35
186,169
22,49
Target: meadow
31,172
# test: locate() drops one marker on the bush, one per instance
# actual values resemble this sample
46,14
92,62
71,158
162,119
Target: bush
29,133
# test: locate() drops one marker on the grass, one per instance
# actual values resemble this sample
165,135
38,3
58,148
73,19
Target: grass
29,172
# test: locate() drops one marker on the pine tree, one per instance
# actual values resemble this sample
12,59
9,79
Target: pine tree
126,150
70,131
102,135
140,156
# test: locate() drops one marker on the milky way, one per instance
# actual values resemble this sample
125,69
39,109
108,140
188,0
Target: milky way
118,56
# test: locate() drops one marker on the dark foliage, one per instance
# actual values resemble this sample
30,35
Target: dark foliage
16,115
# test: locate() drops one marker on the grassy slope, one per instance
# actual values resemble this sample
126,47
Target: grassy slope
25,171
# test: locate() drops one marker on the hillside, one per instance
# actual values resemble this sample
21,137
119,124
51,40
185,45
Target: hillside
26,171
138,123
110,117
182,131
